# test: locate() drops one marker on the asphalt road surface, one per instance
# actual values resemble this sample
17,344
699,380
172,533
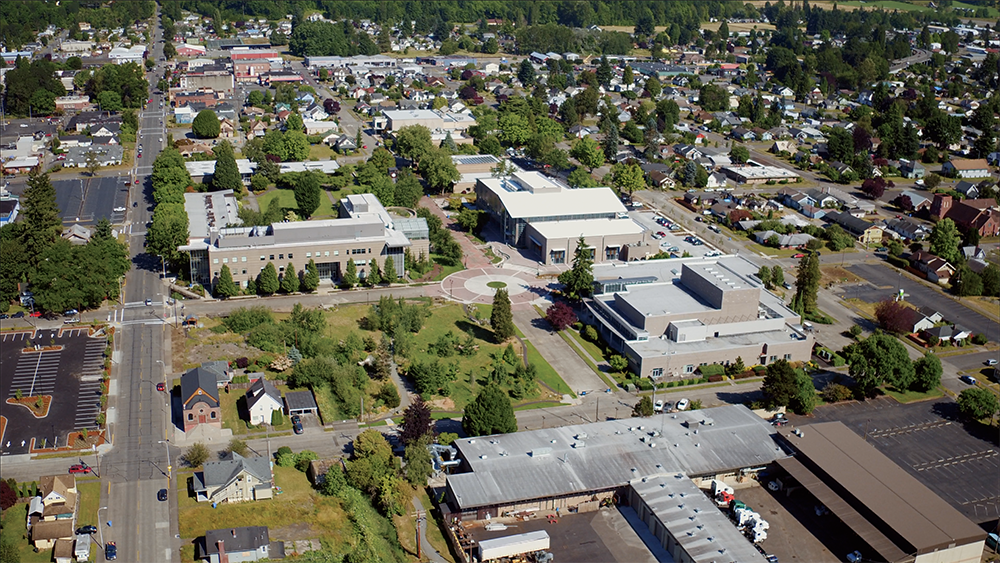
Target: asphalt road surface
886,279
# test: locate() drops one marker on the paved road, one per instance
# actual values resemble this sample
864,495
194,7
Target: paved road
887,280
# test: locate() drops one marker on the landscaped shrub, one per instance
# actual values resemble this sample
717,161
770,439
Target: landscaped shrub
716,378
242,363
897,261
644,384
835,392
979,339
712,369
589,333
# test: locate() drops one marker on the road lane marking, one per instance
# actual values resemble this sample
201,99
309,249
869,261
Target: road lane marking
161,525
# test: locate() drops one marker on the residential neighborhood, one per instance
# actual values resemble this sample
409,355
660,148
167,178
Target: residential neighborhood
466,281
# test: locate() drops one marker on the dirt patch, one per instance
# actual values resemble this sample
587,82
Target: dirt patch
445,404
294,532
191,347
434,272
833,275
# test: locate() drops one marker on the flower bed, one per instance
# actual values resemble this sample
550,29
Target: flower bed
31,403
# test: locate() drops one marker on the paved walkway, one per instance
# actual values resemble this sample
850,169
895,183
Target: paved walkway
473,286
574,371
427,551
473,255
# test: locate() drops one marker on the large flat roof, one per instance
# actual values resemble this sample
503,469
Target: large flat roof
602,455
587,227
890,498
698,526
555,200
210,211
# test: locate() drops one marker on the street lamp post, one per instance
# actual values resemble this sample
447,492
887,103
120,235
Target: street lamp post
166,443
100,527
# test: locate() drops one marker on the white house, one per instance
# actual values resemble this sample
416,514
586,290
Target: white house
262,399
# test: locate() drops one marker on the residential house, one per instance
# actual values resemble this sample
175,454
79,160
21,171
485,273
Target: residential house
716,180
661,179
980,214
239,479
743,134
762,134
947,333
231,545
256,129
62,552
58,493
841,168
782,146
9,209
45,534
911,169
223,375
76,234
973,253
81,549
917,201
967,189
227,130
823,199
937,269
966,168
263,398
906,228
345,143
300,402
932,314
200,399
866,233
915,320
689,152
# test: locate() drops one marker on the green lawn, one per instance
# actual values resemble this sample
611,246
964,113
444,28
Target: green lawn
287,200
993,12
912,396
546,373
297,504
15,532
322,151
90,498
446,269
887,5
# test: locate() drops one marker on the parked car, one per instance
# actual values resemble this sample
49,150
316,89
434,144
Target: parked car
296,424
854,556
799,255
110,551
161,495
79,468
4,316
658,406
149,302
991,362
36,314
161,386
968,379
88,529
683,404
71,313
18,315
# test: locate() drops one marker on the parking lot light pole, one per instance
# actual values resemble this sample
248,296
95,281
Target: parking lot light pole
166,443
100,528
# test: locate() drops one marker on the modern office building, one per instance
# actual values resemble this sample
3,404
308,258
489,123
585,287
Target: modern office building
548,218
364,230
668,317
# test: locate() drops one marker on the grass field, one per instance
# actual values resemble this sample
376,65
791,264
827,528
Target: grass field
446,269
993,11
912,396
885,5
89,492
287,200
322,151
15,532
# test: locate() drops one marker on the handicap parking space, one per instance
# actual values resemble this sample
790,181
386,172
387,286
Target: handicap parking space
71,375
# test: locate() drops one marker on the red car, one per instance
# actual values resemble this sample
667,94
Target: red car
36,314
137,181
79,469
799,255
161,386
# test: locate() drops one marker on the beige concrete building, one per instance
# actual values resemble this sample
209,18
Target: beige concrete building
440,122
364,230
669,317
548,218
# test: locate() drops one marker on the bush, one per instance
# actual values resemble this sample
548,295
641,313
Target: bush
979,339
897,261
712,369
303,458
242,363
244,320
286,459
277,418
590,333
716,378
643,384
835,392
578,326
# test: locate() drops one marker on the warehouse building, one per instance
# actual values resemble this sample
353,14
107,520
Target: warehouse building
364,231
758,174
900,519
648,463
669,317
548,219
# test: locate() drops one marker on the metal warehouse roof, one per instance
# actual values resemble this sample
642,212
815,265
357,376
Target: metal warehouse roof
557,461
893,501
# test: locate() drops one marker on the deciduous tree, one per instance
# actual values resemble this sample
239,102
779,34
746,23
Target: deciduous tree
879,359
206,125
560,315
417,422
927,372
978,403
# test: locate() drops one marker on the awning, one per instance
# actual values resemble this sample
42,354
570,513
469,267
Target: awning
837,505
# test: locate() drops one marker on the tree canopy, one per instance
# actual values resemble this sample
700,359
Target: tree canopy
489,413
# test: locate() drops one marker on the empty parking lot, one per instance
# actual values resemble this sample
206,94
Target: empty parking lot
88,200
930,441
71,375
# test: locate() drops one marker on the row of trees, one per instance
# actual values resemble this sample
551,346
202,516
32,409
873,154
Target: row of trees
169,228
63,276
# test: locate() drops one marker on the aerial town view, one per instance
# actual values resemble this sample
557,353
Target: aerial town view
456,281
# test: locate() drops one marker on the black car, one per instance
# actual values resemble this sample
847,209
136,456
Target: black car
162,495
18,315
4,316
296,424
88,529
110,551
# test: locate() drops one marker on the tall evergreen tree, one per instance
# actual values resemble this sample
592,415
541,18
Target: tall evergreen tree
389,271
310,279
502,319
579,280
225,287
374,277
42,223
268,283
779,387
489,413
611,141
227,174
807,284
350,277
290,279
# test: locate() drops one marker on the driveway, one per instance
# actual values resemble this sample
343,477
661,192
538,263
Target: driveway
886,279
574,371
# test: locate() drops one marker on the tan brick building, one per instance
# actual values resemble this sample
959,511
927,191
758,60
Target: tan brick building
669,317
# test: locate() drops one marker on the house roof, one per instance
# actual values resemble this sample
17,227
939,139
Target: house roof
299,400
850,222
59,484
199,382
261,388
235,540
219,473
969,164
52,530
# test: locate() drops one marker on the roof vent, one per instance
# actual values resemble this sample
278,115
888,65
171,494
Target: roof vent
482,456
581,436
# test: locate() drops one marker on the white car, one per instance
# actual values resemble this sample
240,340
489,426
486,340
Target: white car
658,407
119,209
683,404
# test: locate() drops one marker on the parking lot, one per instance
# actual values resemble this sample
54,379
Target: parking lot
929,440
71,375
88,200
885,281
796,533
678,240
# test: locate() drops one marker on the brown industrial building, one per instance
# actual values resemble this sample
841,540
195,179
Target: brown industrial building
900,519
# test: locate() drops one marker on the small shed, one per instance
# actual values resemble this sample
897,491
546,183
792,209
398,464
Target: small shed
300,402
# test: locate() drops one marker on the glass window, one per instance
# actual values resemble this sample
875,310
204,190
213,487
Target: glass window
272,257
213,415
657,372
281,257
215,260
788,357
335,253
244,271
774,358
190,416
290,256
225,260
309,254
263,257
689,368
243,259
